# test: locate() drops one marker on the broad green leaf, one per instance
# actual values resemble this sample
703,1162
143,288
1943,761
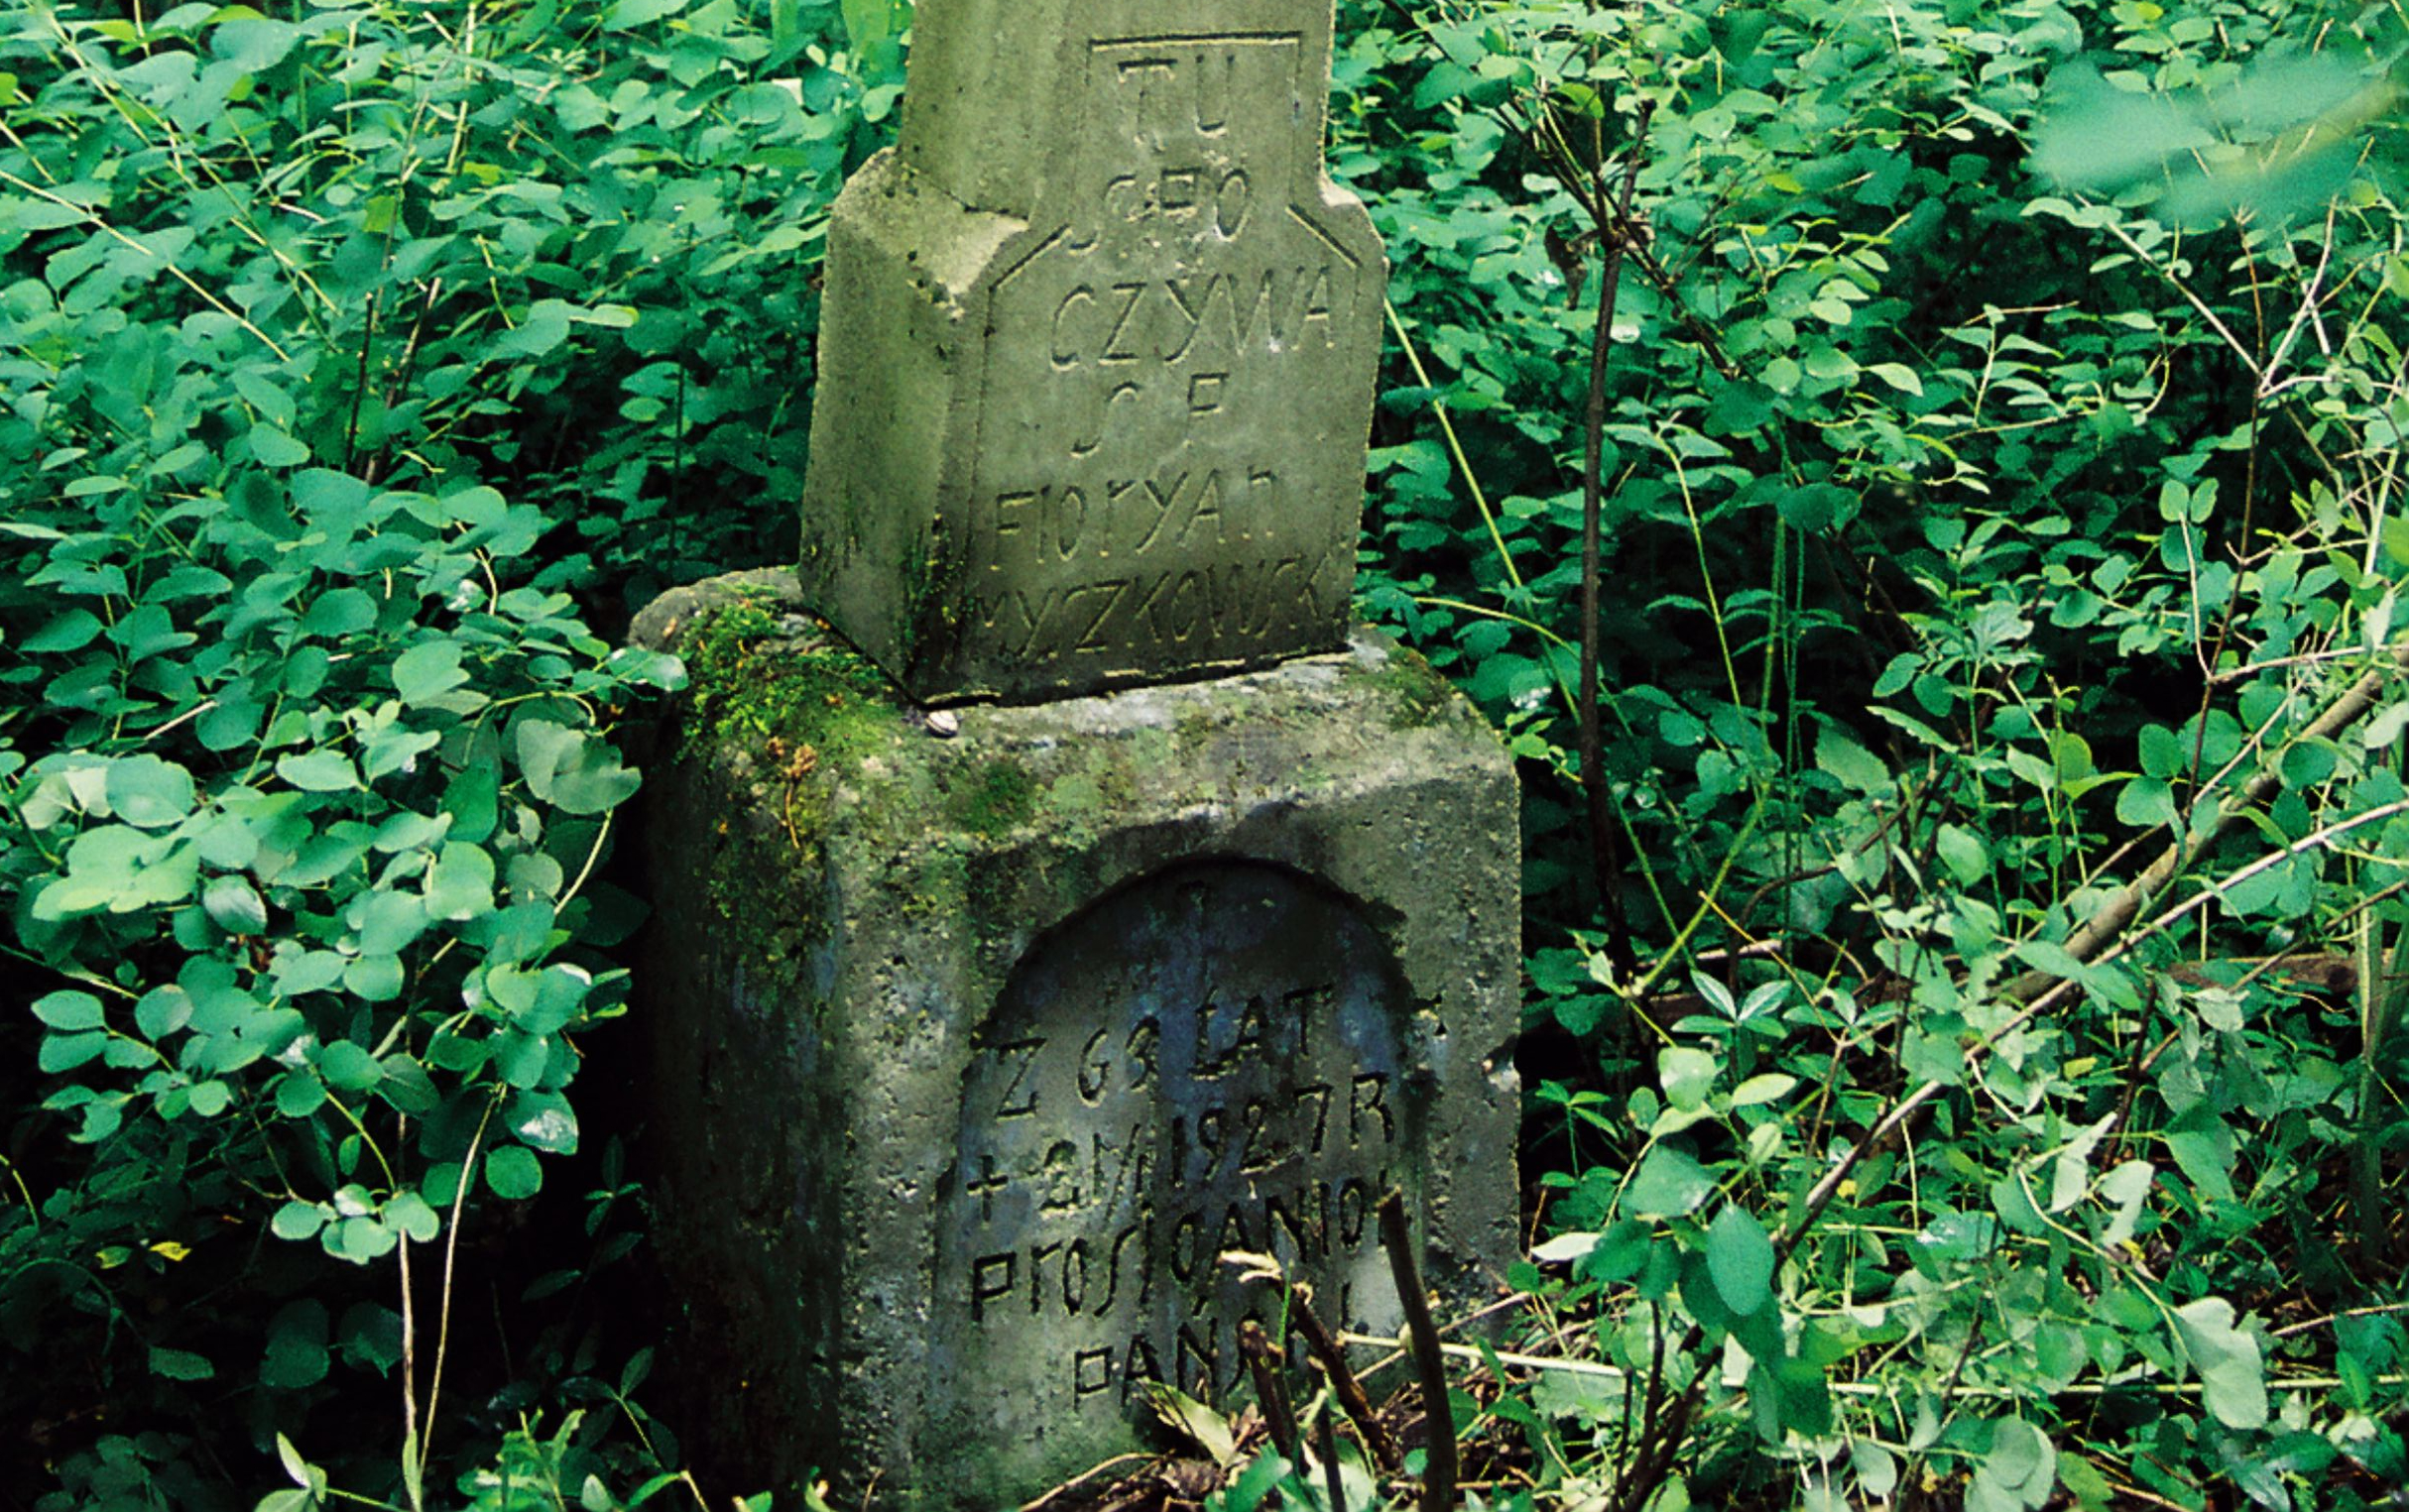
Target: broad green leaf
1770,1086
460,886
69,631
235,906
1564,1248
2020,1472
542,746
627,15
1899,376
1740,1258
2203,1150
2232,1373
545,1121
320,771
374,979
572,769
2071,756
2385,727
388,921
2050,958
867,21
2014,1206
1687,1076
361,1240
1961,851
2127,1186
252,43
409,1214
274,448
148,792
1856,767
339,613
180,1364
512,1172
2070,1172
2147,803
546,325
162,1011
309,971
298,1094
1668,1184
1819,508
297,1220
71,1011
348,1067
1195,1422
65,1052
407,1088
296,1349
428,671
472,799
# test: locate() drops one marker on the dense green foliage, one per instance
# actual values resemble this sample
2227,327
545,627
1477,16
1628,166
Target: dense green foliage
1981,538
360,364
2000,449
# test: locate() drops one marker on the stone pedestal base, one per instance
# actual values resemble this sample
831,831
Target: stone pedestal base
977,1039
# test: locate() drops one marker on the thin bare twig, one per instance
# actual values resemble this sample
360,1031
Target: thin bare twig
2114,916
1326,1439
1344,1386
451,1247
1263,1367
1439,1467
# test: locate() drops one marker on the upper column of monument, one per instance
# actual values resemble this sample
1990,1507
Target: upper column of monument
1097,354
990,78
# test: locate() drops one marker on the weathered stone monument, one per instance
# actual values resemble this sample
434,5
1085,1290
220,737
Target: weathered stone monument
978,1037
1096,357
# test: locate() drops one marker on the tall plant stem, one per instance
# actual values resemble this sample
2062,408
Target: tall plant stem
1615,234
2382,993
1513,573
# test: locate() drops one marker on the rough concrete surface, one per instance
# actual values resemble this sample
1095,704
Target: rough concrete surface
977,1038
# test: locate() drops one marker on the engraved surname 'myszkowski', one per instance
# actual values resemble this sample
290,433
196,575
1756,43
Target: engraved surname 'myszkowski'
1169,607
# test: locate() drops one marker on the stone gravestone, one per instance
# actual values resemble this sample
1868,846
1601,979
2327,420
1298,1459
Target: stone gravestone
977,1039
1097,354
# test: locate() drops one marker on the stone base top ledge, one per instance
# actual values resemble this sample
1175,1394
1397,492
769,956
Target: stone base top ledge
1203,755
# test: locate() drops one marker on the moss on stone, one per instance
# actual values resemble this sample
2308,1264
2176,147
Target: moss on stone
781,714
997,796
812,751
1422,697
754,687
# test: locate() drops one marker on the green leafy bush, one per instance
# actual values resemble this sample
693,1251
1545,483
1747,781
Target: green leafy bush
1990,1093
362,364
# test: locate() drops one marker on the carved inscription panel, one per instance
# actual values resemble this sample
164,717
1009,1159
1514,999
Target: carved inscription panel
1171,428
1207,1061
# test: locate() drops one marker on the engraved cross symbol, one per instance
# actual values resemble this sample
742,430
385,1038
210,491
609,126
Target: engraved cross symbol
986,1187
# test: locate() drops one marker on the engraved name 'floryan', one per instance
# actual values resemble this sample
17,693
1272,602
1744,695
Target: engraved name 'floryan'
1118,1143
1141,464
